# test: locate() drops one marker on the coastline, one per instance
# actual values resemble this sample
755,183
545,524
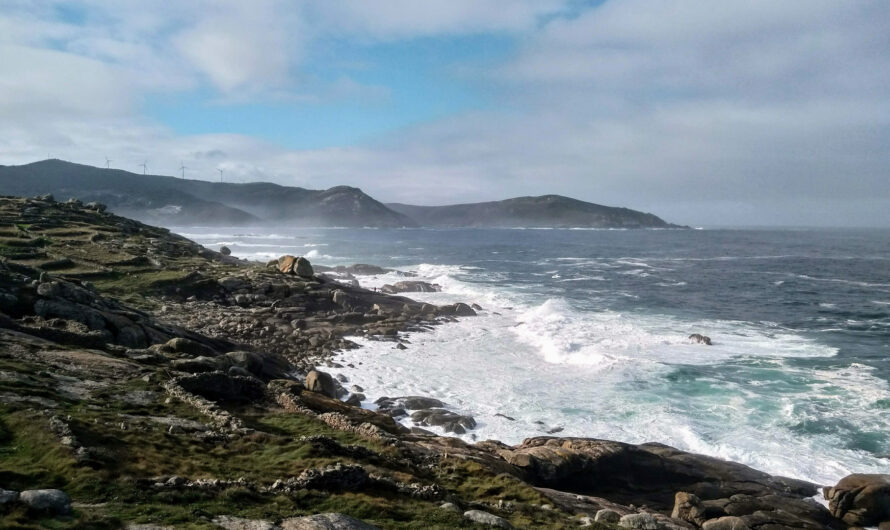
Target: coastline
217,336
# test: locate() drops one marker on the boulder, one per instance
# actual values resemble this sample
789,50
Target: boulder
220,386
410,286
8,497
198,365
227,522
640,521
187,346
323,383
48,501
325,521
487,519
459,309
698,338
386,404
339,477
729,522
303,268
607,516
286,264
225,251
860,499
449,421
689,507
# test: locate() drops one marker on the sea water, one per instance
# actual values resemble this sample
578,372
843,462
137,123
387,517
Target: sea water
585,333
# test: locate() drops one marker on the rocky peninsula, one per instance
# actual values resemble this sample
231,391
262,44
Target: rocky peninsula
148,382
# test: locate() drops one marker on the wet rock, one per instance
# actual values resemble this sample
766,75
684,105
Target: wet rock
47,501
325,521
410,286
860,499
386,404
459,309
487,519
448,420
698,338
225,251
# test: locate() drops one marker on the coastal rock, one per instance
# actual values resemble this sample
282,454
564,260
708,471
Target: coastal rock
698,338
487,519
729,522
651,474
459,309
607,516
225,251
220,386
187,346
387,404
323,383
295,265
8,497
325,521
303,268
860,499
410,286
49,501
286,264
448,420
227,522
640,521
339,477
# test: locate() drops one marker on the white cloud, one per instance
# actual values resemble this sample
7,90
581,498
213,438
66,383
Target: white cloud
732,112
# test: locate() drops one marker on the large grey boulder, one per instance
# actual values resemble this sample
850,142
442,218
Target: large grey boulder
640,521
325,521
488,519
49,501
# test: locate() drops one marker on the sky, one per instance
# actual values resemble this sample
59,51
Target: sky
738,112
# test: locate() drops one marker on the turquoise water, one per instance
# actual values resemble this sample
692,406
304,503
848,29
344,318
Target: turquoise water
586,331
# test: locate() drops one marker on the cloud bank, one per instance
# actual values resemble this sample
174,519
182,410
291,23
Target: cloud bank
729,113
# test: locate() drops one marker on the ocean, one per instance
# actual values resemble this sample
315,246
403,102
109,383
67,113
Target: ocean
585,333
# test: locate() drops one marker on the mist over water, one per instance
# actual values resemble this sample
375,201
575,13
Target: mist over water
586,331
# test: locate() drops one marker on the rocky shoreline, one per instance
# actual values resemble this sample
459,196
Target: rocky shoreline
148,382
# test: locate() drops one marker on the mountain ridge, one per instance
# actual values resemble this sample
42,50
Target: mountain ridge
173,201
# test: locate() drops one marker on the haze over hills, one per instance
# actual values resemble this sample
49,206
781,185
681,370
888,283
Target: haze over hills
173,201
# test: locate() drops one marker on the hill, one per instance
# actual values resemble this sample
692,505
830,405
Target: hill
551,211
173,201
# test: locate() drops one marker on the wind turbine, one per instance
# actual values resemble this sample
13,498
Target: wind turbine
144,167
220,173
182,168
108,162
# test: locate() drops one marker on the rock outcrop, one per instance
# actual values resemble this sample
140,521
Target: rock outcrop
860,500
